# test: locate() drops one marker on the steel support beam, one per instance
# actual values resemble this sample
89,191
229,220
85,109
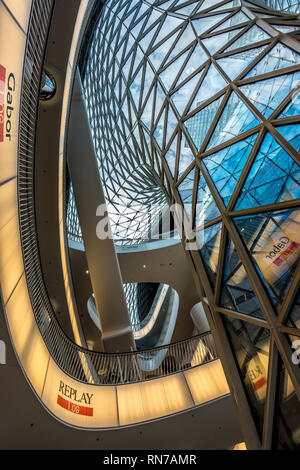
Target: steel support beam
100,253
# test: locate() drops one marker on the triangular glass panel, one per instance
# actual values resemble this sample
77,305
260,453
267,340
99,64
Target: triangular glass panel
122,33
197,58
126,66
114,38
214,43
159,130
147,141
228,5
171,124
199,124
293,108
235,119
135,87
267,94
265,15
278,58
206,4
170,73
287,408
201,25
285,29
251,346
187,37
153,16
181,97
123,89
127,21
293,319
147,113
160,98
186,156
145,41
185,190
148,79
129,45
237,292
170,155
142,10
120,51
206,208
139,56
208,242
253,35
156,163
238,18
274,177
234,64
125,110
122,8
187,10
136,30
213,82
158,56
165,5
117,87
168,26
291,133
226,166
273,240
132,108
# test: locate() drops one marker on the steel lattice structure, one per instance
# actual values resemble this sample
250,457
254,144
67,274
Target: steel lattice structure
198,101
291,6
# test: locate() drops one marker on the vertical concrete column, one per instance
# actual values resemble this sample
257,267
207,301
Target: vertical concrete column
101,257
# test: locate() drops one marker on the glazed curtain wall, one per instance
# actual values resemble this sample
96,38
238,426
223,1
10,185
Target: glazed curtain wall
206,94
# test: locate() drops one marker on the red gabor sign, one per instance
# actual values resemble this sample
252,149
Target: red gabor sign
6,105
2,105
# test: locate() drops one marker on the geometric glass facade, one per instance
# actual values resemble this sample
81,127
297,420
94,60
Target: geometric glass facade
203,99
251,345
291,6
287,415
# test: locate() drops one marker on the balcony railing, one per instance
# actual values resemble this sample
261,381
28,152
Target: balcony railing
134,366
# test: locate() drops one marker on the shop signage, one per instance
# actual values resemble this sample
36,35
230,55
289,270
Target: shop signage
2,105
6,110
282,250
77,400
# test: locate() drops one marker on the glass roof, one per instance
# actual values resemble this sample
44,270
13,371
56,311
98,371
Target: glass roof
175,92
292,6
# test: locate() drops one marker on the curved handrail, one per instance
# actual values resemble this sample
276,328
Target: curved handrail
128,367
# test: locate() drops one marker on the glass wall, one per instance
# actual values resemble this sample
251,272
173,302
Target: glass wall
251,344
287,418
202,98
